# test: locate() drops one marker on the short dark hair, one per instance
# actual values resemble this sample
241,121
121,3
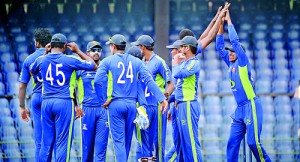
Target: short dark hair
60,45
150,48
42,36
185,32
193,49
121,48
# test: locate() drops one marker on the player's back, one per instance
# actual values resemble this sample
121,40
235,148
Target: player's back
161,75
24,76
59,76
122,75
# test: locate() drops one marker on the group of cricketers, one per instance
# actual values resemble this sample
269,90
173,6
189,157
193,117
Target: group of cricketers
130,92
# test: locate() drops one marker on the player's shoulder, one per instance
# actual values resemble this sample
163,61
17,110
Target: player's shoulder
73,57
193,62
32,57
130,57
38,59
159,59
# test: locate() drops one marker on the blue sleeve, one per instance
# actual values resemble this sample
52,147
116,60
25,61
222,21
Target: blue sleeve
234,39
187,71
34,67
141,95
199,49
101,82
25,74
79,64
144,76
220,47
165,71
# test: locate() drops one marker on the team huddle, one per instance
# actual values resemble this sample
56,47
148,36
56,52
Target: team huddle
134,91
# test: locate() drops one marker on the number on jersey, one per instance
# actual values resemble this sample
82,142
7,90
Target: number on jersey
50,78
129,73
147,94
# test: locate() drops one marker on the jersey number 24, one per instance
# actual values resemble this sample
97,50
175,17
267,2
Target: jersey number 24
129,73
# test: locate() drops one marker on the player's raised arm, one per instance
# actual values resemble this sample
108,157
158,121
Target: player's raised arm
204,42
220,44
234,39
211,24
74,48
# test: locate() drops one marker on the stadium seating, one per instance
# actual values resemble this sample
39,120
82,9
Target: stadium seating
280,86
13,155
5,112
263,87
28,154
224,87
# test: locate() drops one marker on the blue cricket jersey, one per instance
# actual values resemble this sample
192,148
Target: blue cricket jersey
86,89
239,71
58,73
25,72
199,49
187,75
160,73
121,72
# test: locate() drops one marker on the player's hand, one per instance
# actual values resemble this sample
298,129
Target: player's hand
225,9
227,18
73,47
217,14
25,114
105,105
79,112
169,116
164,106
48,48
178,58
167,95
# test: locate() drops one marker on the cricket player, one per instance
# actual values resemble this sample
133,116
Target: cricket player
248,116
41,38
175,152
59,77
95,128
144,148
186,71
172,113
162,76
120,73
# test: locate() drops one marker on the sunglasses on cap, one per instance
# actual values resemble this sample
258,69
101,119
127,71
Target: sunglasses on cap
96,50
